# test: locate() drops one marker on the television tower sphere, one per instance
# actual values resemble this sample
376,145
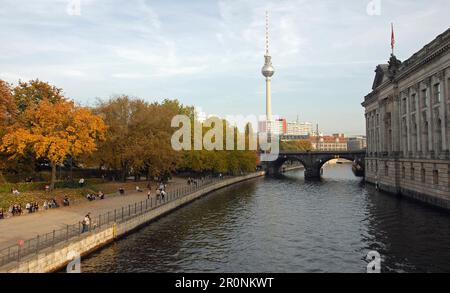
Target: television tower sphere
268,70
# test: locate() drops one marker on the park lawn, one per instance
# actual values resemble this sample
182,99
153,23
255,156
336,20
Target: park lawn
76,195
8,199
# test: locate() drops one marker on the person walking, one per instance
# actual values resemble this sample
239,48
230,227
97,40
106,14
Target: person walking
86,223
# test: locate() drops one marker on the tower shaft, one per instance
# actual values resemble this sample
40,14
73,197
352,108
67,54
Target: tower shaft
268,101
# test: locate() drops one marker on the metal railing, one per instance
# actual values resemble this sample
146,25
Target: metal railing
25,248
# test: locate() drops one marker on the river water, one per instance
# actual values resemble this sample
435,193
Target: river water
287,225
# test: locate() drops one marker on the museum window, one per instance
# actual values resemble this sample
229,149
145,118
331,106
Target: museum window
412,174
413,102
386,169
424,98
437,93
435,177
425,131
403,172
438,132
422,174
404,106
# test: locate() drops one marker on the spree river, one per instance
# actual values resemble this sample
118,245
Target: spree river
287,225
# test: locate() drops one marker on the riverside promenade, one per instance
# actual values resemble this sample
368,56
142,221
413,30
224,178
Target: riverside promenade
50,254
15,229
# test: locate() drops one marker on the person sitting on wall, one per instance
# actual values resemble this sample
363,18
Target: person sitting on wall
101,195
15,191
66,201
121,191
54,204
138,189
81,182
2,215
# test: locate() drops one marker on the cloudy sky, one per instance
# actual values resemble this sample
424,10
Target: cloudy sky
209,53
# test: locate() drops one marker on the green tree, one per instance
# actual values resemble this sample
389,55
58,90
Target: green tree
296,145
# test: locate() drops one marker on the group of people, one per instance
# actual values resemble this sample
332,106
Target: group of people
192,181
15,210
160,190
86,223
51,204
15,191
99,195
32,207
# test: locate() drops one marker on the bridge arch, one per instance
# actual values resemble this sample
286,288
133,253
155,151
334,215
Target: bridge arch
313,161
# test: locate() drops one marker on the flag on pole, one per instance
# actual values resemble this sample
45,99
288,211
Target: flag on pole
392,38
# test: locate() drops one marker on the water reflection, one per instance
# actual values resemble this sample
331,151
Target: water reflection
287,225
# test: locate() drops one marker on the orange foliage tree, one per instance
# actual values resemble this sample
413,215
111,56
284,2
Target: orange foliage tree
8,113
55,130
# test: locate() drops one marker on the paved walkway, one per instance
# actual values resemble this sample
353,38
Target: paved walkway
12,230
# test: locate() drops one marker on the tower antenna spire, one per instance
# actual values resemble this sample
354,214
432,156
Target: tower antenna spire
267,33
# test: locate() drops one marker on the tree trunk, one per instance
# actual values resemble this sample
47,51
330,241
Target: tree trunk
2,178
124,172
53,180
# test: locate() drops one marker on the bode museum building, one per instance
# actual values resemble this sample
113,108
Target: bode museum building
408,126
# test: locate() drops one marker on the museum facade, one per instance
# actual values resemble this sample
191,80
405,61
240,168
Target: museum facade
408,126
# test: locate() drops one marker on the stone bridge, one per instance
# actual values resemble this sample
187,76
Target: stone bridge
313,161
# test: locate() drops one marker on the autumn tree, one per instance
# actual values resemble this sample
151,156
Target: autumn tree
55,130
138,136
31,93
8,114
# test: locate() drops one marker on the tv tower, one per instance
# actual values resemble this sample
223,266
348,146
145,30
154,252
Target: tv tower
268,72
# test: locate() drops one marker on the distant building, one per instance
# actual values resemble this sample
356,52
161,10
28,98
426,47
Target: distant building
335,142
299,128
356,143
287,137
